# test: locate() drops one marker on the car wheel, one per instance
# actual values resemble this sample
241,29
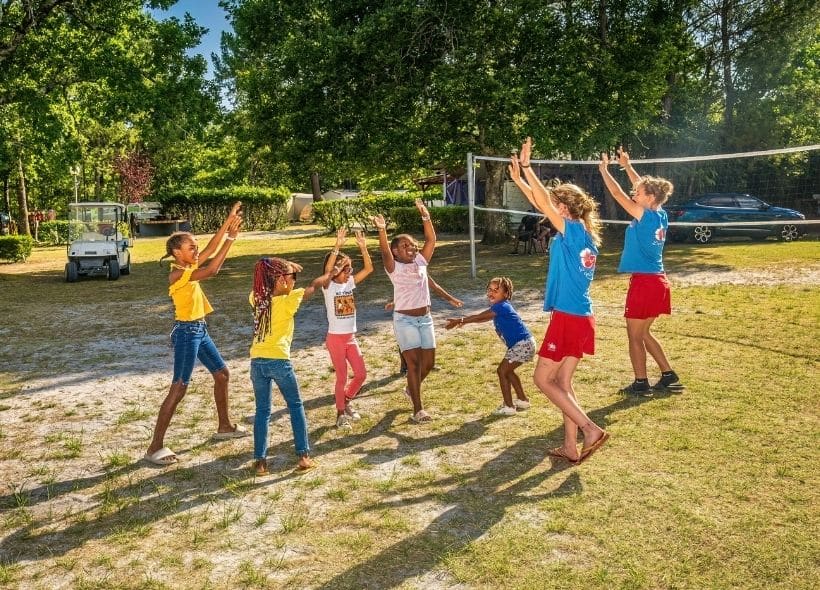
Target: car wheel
71,272
702,234
113,270
789,233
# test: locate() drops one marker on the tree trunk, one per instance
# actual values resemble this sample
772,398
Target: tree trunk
315,187
6,194
22,200
495,226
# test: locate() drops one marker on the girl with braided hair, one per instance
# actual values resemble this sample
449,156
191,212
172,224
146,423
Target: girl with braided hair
275,302
571,331
516,336
190,336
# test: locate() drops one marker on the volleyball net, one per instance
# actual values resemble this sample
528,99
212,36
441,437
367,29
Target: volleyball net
735,194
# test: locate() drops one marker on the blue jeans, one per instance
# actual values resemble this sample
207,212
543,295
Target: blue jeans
414,331
264,372
191,341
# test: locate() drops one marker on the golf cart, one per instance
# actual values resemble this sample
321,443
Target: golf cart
97,245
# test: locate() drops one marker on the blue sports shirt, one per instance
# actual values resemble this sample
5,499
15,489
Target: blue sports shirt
508,324
571,268
643,243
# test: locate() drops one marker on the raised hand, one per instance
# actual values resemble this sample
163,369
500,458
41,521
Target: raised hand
422,208
526,152
623,157
603,165
340,238
360,239
235,209
514,168
379,222
233,226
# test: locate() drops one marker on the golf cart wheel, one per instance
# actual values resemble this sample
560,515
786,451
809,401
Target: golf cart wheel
126,270
113,270
71,272
789,233
702,234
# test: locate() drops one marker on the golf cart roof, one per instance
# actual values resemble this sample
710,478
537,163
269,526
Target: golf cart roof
97,204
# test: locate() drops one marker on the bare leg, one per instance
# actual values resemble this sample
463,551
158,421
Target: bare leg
545,378
507,379
221,379
413,359
635,330
654,348
166,412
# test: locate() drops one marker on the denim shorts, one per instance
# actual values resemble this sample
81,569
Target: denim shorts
414,331
191,341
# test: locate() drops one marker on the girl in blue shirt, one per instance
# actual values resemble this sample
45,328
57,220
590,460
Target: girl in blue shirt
511,329
649,294
571,331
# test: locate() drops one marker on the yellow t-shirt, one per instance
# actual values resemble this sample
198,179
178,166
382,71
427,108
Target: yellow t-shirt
276,344
190,302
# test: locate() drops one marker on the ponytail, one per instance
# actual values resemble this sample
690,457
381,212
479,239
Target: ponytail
265,273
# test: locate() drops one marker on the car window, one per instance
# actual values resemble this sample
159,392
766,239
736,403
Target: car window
748,202
717,201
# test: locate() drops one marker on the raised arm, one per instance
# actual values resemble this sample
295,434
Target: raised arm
384,246
367,263
626,165
439,290
538,196
630,206
319,281
331,259
212,266
429,231
215,241
476,318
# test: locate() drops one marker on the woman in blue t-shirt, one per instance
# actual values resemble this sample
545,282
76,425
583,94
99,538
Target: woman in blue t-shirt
511,329
571,331
649,294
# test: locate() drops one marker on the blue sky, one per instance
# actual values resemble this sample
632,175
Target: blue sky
206,13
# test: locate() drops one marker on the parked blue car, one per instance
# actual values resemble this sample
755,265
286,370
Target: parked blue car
722,207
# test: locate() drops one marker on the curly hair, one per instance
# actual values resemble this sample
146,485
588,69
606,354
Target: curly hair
505,283
266,271
660,188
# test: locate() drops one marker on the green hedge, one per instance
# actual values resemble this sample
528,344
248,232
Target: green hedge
206,209
453,219
15,248
360,211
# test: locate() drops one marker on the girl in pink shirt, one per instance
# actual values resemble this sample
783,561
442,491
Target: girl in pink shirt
406,266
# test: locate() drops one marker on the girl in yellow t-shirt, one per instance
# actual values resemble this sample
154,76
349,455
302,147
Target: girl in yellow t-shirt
275,302
190,333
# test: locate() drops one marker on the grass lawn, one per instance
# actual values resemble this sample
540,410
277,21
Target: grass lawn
717,487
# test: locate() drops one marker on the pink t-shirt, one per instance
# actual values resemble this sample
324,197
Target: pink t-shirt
410,287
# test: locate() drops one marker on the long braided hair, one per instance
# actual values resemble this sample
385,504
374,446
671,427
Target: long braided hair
265,274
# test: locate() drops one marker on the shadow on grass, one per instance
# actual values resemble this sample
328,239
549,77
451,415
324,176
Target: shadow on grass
479,501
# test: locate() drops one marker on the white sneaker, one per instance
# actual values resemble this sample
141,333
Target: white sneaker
503,410
351,412
522,404
343,422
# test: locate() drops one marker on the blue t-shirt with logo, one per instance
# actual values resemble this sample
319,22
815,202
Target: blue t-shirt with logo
508,324
643,243
573,255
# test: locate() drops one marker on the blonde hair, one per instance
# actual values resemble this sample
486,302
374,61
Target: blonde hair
660,188
580,206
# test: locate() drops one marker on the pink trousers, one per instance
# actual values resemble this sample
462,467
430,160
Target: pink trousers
344,349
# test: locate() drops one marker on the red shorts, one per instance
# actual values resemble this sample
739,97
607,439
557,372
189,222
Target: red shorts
568,335
648,297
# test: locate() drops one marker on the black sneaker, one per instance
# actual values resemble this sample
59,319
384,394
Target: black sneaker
668,381
638,388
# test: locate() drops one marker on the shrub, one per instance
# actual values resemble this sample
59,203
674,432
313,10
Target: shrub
360,211
453,219
262,208
16,248
54,233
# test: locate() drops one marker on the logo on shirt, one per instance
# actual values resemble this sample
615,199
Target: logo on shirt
344,305
551,346
660,234
588,258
